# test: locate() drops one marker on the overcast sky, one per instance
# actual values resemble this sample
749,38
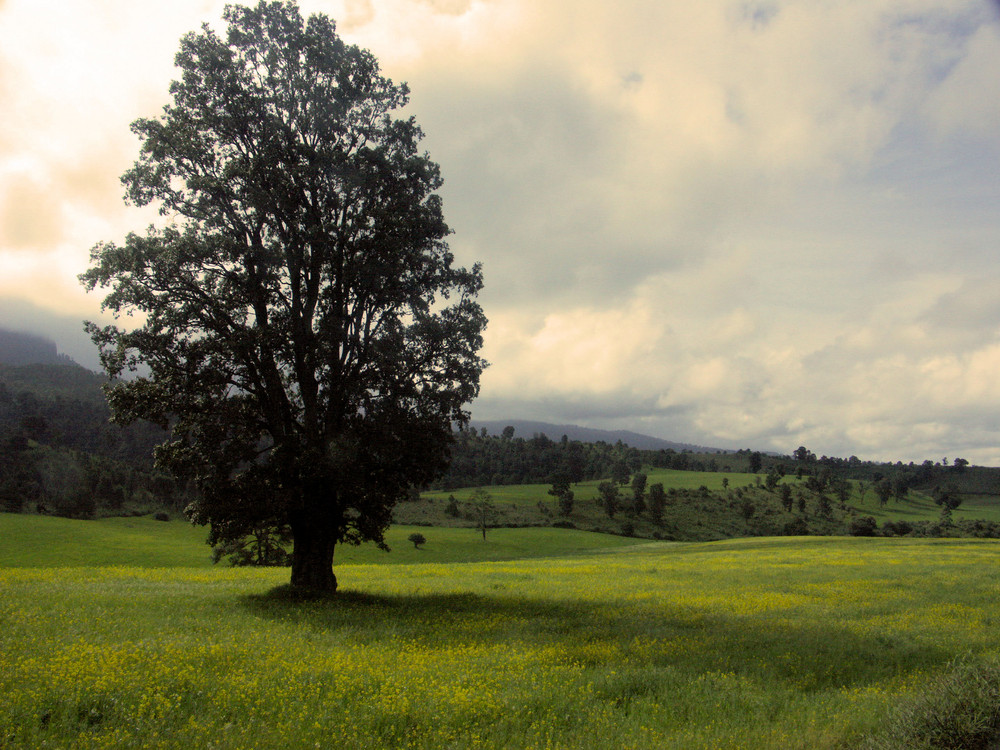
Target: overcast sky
725,222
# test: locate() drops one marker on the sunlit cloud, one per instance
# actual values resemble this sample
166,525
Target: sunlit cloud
730,223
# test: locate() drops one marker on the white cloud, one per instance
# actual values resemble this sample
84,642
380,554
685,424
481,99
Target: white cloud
726,222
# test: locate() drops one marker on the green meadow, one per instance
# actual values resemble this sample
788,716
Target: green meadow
803,642
44,541
522,503
670,478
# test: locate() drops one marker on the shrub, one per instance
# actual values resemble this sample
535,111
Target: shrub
628,529
262,545
566,503
896,528
563,525
863,526
980,528
797,527
417,538
960,709
161,516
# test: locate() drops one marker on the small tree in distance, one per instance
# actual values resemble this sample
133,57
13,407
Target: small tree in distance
639,491
418,539
563,494
607,498
657,502
785,492
566,503
485,513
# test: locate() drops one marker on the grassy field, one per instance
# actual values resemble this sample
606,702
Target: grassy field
768,643
44,541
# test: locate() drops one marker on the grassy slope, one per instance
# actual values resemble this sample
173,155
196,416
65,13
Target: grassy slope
529,494
531,504
44,541
770,643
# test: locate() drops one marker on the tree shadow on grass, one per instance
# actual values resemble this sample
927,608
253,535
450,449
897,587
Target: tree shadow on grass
807,655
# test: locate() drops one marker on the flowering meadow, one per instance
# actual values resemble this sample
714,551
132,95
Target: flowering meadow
764,643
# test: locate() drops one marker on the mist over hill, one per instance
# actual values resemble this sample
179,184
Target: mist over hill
527,428
18,348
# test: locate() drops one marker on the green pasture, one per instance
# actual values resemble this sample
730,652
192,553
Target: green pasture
765,643
519,501
921,507
533,493
44,541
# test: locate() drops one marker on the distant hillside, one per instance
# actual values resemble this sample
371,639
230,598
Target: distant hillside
526,429
59,453
17,349
65,380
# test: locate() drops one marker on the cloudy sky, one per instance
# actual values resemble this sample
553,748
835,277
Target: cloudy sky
736,223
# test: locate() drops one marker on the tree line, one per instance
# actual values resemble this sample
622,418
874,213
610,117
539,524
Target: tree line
481,459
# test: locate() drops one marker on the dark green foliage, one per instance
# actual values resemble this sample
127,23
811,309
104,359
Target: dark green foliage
261,546
842,489
639,492
823,506
785,493
560,485
796,527
305,332
607,498
818,482
900,486
896,528
561,491
883,490
756,462
804,454
417,538
947,497
959,710
480,459
63,406
620,471
657,502
161,516
566,503
451,508
863,526
772,479
60,454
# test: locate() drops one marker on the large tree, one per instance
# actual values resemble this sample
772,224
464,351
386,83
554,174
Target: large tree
298,323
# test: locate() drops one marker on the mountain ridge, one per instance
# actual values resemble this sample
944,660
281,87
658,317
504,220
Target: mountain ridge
19,348
526,428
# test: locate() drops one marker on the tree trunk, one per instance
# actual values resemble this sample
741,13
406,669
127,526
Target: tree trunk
312,556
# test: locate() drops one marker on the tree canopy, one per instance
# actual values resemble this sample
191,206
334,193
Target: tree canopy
304,332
